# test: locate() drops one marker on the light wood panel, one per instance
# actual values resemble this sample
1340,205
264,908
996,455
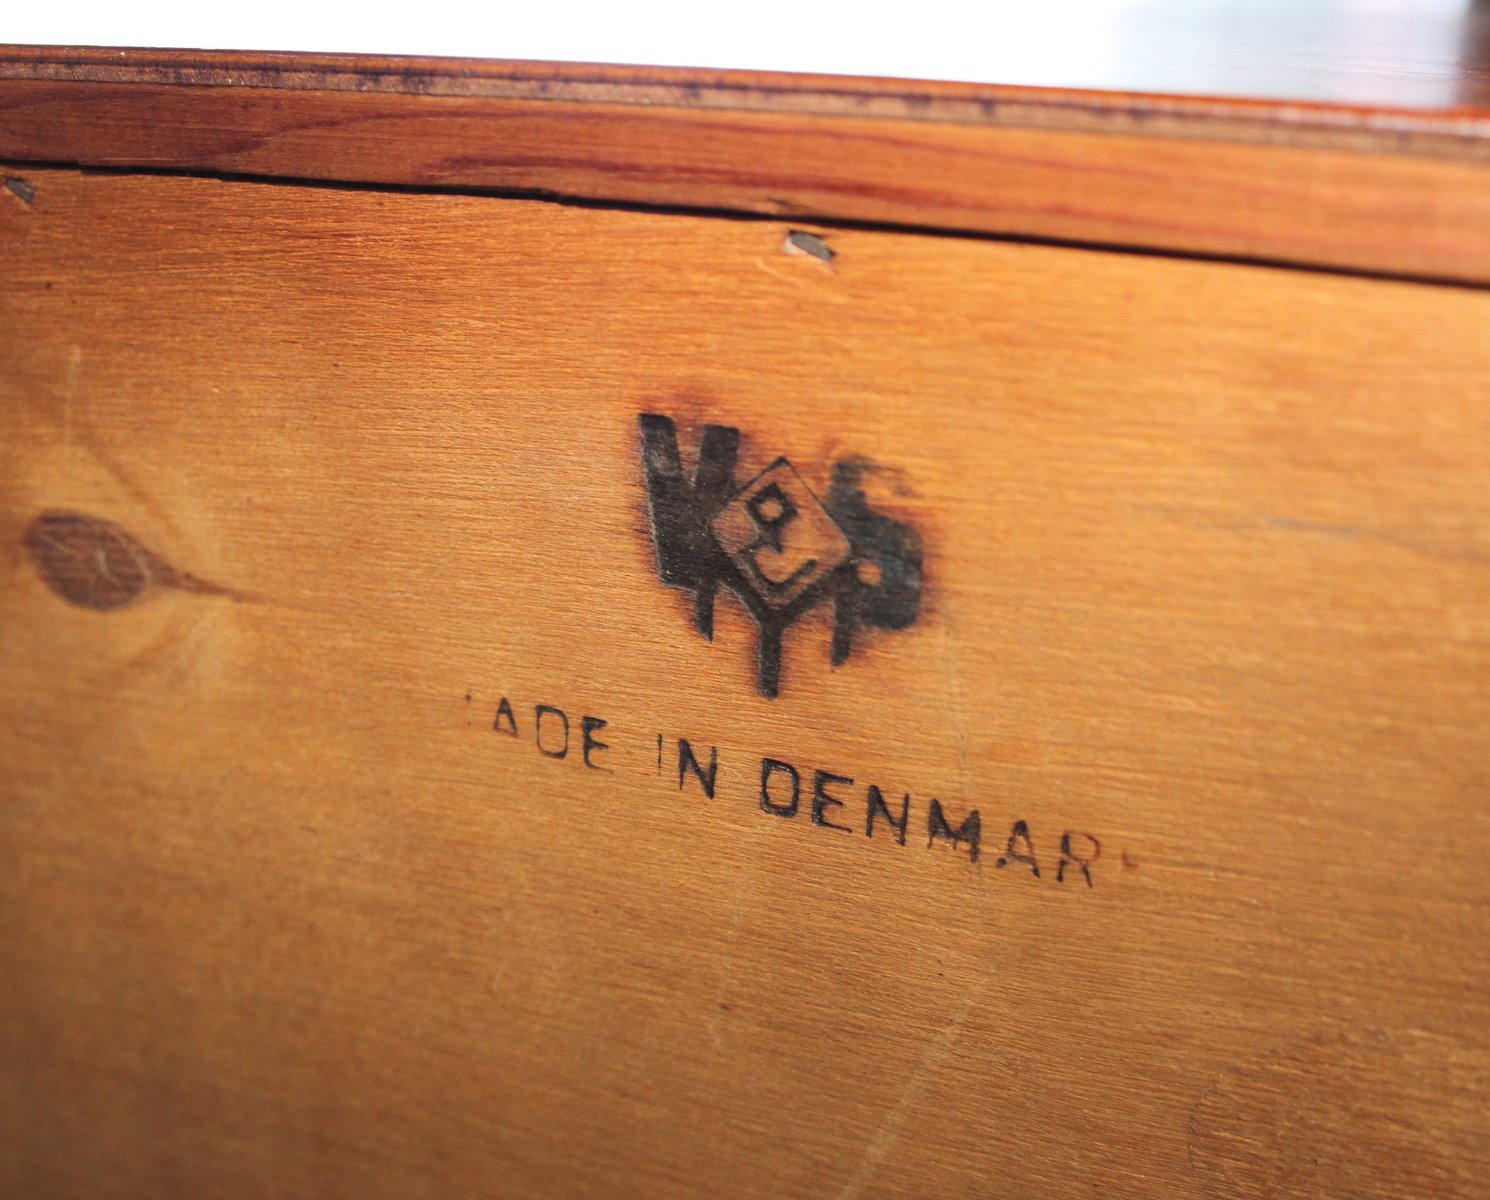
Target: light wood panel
1203,554
1385,190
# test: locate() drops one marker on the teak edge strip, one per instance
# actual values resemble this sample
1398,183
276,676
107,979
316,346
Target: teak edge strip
1456,131
1384,191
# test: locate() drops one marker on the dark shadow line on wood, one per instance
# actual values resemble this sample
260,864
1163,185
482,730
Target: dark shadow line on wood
788,219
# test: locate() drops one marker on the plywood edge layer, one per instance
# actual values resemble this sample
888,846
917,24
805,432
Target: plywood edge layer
1392,192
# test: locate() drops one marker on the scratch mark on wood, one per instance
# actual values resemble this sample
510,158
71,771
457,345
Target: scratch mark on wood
884,1138
70,391
951,658
1424,545
95,564
744,880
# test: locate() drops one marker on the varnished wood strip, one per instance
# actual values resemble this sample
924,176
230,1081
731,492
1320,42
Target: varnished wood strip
1455,131
1408,214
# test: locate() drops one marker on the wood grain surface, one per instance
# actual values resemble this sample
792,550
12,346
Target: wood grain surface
1399,191
293,904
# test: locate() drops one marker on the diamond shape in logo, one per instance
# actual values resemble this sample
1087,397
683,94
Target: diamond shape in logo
779,536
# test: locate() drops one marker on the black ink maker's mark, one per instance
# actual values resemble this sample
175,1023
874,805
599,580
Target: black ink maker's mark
875,807
1020,849
688,763
773,803
774,544
823,800
550,751
95,564
589,743
969,833
505,721
1087,850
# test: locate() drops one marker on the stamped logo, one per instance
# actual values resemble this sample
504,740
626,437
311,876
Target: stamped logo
773,543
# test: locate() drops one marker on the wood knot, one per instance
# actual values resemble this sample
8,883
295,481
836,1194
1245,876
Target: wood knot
95,564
